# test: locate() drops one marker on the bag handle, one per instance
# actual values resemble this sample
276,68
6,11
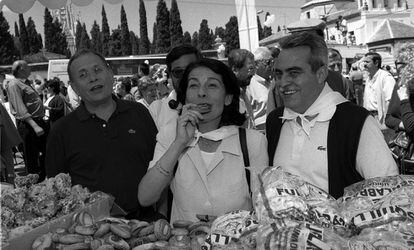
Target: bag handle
245,152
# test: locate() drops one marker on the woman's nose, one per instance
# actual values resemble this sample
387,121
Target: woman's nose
202,92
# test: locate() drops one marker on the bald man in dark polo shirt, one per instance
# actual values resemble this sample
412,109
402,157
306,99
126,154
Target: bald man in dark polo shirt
106,143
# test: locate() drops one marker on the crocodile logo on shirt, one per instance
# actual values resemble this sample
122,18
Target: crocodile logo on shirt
321,148
131,131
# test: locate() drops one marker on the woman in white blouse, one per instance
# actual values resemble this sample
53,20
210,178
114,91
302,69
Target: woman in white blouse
211,178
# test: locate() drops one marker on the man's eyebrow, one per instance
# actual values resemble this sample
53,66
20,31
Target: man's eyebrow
294,68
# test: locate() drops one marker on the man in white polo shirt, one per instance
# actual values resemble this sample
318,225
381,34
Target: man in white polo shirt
319,135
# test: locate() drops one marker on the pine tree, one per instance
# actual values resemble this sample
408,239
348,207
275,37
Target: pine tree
144,47
8,53
194,40
16,30
134,40
78,34
115,48
59,44
125,39
35,41
176,30
48,30
154,38
219,32
106,36
24,38
85,40
232,34
204,37
96,39
163,42
259,28
187,38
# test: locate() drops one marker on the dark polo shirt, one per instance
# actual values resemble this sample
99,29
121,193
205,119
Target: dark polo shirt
108,156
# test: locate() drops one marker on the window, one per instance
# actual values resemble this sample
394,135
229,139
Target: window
308,14
374,4
399,3
385,3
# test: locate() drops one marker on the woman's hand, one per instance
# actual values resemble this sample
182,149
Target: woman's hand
187,124
403,92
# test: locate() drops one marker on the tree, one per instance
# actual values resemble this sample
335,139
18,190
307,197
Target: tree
259,28
194,40
115,48
163,42
8,53
144,47
187,38
85,41
219,32
96,38
35,39
125,39
204,37
48,30
24,37
232,34
176,29
16,30
78,34
154,38
59,44
134,43
106,36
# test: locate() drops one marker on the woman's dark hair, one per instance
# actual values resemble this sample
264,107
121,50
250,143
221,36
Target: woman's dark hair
231,114
54,84
126,82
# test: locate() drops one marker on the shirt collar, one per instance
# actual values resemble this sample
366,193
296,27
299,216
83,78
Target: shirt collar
259,79
322,109
83,114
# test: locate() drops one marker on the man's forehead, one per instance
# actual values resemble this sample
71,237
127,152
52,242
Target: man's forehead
293,57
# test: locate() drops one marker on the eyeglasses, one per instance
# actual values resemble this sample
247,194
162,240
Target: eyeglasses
178,72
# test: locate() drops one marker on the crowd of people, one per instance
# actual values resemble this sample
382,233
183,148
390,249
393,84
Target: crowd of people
192,138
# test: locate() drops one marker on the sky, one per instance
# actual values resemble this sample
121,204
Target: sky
217,13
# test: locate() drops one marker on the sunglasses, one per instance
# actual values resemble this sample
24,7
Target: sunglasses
177,73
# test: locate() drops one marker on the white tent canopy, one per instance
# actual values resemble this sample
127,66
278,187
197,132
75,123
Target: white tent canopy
21,6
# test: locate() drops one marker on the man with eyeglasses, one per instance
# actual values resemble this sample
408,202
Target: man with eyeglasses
241,62
177,60
107,143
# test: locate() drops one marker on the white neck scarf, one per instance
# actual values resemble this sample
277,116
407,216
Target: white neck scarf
321,110
215,135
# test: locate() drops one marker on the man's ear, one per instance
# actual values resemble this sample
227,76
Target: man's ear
74,87
322,74
228,99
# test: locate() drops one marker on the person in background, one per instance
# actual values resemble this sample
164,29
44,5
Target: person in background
107,143
241,62
335,64
211,177
400,115
258,89
143,70
357,78
319,135
378,90
40,88
177,60
27,108
126,89
9,138
148,90
55,103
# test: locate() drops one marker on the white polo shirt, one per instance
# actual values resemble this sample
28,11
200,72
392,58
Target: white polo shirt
303,151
